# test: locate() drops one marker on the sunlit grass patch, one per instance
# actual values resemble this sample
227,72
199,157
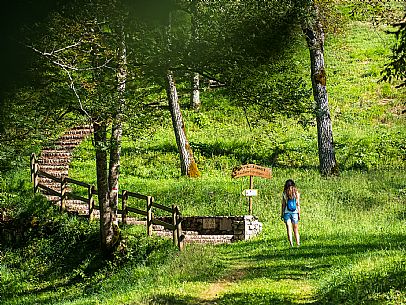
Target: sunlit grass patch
378,277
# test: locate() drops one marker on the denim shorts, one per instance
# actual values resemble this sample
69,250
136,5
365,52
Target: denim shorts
293,217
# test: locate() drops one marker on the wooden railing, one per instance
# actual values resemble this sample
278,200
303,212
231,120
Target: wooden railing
64,194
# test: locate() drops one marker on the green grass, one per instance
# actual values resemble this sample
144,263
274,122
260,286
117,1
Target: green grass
352,226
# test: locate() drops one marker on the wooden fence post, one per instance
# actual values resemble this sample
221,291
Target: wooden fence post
124,207
34,172
174,222
90,197
63,193
150,200
179,229
32,162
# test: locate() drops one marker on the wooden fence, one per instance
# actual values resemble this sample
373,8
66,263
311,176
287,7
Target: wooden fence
64,194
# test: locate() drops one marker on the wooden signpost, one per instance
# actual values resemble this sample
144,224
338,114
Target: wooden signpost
251,170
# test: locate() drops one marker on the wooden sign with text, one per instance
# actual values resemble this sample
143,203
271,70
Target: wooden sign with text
252,170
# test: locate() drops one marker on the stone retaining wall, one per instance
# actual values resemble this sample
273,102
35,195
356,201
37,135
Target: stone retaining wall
239,227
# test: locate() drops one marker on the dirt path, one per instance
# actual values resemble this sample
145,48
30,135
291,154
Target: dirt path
299,290
216,289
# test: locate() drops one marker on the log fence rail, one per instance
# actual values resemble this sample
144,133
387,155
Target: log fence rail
65,194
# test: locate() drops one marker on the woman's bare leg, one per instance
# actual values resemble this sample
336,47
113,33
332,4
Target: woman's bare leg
289,231
296,232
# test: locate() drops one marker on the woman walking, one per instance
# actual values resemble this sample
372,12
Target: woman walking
290,210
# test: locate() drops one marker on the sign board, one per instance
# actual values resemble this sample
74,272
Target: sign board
252,170
250,193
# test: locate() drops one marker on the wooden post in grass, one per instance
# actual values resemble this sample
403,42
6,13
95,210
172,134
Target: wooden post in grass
34,172
150,200
174,222
90,191
63,194
250,197
124,207
32,162
179,236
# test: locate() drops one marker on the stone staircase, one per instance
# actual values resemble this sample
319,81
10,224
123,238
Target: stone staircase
55,160
191,237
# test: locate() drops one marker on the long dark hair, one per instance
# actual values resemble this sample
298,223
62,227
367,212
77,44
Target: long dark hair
290,189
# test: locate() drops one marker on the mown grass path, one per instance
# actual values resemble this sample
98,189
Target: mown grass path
254,278
356,268
220,287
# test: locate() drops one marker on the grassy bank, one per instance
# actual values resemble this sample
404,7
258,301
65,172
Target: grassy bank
353,252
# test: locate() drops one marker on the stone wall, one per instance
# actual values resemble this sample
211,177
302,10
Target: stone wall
238,227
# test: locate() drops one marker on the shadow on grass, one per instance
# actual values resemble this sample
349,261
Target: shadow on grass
311,261
371,287
232,299
320,260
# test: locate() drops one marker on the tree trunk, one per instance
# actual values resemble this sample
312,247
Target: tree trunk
188,164
106,228
195,94
107,180
315,41
116,135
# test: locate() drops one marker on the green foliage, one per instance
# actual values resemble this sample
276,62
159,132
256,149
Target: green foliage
137,247
395,69
271,91
43,249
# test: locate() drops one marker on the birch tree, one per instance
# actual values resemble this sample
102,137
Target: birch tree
92,55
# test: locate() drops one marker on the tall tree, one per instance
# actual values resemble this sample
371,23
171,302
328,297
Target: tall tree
313,30
241,34
188,164
187,160
92,53
195,102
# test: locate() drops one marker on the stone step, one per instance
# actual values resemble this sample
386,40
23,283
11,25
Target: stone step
74,136
56,173
69,142
81,131
56,187
195,237
59,153
54,168
53,161
75,206
209,239
54,199
64,147
47,181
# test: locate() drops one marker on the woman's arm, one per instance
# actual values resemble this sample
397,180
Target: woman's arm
283,206
298,204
